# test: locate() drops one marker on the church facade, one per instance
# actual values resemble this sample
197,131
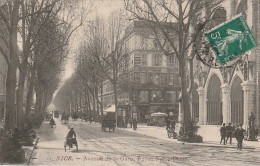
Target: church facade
230,95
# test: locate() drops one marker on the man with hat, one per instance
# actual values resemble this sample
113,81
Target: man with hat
239,133
70,135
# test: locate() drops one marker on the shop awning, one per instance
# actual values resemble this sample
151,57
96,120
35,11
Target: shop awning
159,114
112,108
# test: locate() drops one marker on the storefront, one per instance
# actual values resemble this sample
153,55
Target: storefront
143,111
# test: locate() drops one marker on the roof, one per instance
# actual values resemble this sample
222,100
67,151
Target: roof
145,25
112,108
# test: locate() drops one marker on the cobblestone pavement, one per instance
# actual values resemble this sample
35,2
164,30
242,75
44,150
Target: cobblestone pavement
124,148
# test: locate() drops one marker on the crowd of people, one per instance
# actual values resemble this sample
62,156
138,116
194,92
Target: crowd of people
229,131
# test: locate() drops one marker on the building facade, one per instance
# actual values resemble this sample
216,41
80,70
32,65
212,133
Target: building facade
149,80
230,95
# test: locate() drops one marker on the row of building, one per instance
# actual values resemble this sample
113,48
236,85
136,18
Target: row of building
219,95
153,82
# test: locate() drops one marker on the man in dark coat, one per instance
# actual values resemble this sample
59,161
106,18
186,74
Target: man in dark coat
70,135
223,133
168,122
229,132
173,123
134,123
52,122
239,134
131,121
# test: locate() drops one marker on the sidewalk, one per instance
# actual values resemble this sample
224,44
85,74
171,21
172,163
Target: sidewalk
50,149
210,134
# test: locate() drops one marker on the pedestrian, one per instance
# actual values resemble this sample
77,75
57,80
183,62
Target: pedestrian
223,133
168,122
229,133
239,134
91,119
256,132
173,123
131,121
134,123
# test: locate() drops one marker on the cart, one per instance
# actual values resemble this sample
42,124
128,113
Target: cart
158,119
108,123
69,142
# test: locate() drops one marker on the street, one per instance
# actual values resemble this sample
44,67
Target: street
124,148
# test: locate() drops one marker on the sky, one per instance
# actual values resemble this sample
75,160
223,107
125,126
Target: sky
101,8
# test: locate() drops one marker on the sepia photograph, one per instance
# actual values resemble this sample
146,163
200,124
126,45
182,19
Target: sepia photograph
130,82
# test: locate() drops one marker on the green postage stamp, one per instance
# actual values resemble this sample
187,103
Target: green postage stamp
231,39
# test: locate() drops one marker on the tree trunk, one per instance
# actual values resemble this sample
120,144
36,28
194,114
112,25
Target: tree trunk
11,71
80,101
101,104
29,98
85,99
38,106
20,96
22,74
115,98
185,96
97,100
94,106
89,107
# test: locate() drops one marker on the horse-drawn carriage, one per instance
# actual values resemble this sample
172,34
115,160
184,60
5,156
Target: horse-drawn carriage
108,123
69,142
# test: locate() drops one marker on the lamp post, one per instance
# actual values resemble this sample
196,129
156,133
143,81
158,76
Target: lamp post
116,114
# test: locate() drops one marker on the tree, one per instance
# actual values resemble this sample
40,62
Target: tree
91,76
25,19
106,47
33,15
39,24
50,52
63,97
176,24
7,11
